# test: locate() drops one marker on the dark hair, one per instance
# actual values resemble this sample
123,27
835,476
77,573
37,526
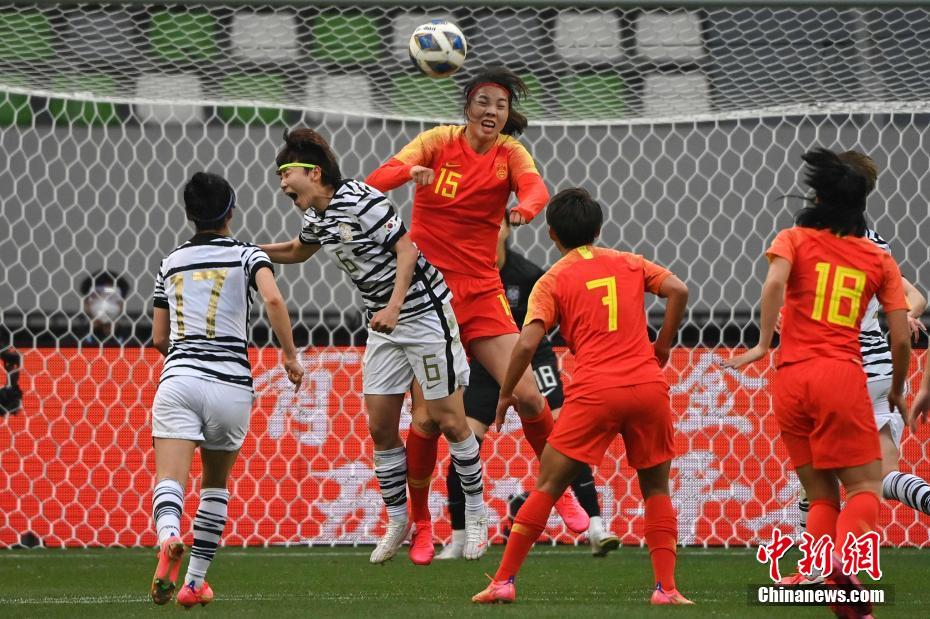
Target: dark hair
208,200
575,217
104,278
304,145
516,91
865,165
839,194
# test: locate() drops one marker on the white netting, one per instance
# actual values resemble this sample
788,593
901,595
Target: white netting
687,124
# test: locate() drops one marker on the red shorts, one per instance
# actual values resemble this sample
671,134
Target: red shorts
641,414
824,412
481,308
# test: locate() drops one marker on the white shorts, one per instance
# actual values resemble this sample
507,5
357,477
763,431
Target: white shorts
878,391
214,414
427,347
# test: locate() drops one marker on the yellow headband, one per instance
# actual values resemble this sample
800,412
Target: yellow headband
283,167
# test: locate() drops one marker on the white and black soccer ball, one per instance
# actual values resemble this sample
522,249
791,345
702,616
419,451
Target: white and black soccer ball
438,48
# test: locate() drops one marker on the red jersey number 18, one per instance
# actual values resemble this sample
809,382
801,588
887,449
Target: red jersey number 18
848,284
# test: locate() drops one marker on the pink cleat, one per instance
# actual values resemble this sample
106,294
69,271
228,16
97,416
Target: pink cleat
166,574
498,592
421,544
571,512
800,580
661,597
188,596
857,610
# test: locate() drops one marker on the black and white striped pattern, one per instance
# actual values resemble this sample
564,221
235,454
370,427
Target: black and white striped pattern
391,471
876,356
466,458
167,505
358,230
208,529
908,489
205,284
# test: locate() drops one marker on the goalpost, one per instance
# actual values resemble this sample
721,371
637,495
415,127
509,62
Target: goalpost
686,120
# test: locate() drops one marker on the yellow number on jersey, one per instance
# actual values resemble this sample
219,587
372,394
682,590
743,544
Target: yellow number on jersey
848,283
218,277
609,299
504,303
447,183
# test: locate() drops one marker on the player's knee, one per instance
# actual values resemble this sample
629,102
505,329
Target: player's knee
530,404
384,436
425,426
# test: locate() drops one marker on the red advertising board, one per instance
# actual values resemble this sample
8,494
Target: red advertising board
76,463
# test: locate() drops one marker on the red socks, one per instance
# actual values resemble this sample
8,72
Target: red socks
661,538
527,527
421,461
537,429
859,516
821,519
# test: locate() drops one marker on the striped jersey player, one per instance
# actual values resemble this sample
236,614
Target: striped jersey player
412,331
199,323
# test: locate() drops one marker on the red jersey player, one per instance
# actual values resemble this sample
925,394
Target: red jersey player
596,296
465,175
825,271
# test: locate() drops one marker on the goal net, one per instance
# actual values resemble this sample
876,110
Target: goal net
687,124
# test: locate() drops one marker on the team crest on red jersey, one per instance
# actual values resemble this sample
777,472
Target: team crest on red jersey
501,170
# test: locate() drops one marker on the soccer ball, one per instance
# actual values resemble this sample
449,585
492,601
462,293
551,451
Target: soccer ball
438,48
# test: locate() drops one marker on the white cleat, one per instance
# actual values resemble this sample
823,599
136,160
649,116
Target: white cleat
602,542
395,534
476,537
455,548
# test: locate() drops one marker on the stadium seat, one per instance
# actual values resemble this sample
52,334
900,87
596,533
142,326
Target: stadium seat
348,38
588,37
405,24
15,109
421,96
25,36
331,92
676,93
184,37
243,86
509,34
593,96
101,36
669,37
79,112
265,37
154,86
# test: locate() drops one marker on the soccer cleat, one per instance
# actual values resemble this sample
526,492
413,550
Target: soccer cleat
602,543
859,609
455,549
800,580
421,545
572,515
476,536
661,597
394,535
188,596
498,592
166,573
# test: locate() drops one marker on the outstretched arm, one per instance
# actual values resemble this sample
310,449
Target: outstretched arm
530,337
773,297
276,309
532,196
675,292
289,252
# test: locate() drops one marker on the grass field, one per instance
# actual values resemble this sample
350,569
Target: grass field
336,582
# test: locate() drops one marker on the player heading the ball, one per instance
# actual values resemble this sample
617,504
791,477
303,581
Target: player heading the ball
200,324
596,296
464,176
412,332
